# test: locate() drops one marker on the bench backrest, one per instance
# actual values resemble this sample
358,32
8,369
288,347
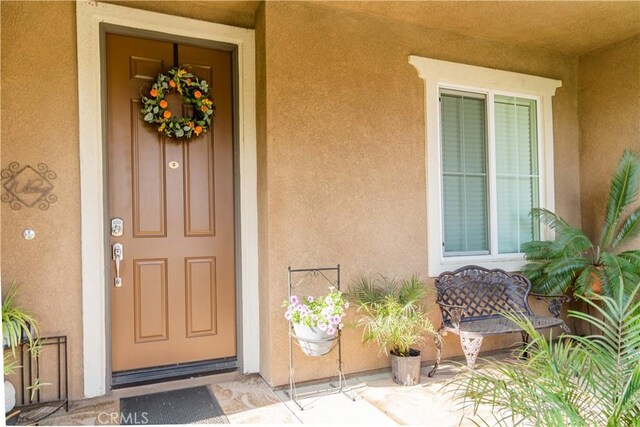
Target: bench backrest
484,293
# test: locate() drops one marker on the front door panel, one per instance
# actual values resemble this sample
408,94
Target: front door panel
177,299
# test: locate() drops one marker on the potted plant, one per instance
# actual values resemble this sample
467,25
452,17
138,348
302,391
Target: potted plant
18,326
576,380
392,314
573,260
316,320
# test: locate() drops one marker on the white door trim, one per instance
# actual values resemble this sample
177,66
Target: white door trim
89,16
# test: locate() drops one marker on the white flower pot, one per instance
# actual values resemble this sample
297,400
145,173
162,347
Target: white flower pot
9,396
313,341
406,370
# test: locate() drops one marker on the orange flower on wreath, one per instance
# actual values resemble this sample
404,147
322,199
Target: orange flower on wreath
166,114
172,83
204,109
153,93
198,130
197,94
191,125
163,104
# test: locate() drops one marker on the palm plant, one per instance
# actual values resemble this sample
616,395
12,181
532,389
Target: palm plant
579,381
572,259
392,313
17,324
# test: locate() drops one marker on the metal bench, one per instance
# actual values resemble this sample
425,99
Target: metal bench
471,300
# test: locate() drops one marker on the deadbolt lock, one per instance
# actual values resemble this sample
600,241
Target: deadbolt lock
117,227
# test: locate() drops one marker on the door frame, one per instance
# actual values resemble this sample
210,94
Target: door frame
90,19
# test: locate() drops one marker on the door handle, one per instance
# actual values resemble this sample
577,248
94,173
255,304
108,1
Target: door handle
118,255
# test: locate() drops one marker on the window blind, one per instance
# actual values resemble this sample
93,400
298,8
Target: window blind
517,172
464,174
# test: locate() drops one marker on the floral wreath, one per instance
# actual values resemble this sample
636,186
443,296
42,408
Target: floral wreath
194,92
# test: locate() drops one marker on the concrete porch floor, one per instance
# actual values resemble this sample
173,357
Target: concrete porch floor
249,400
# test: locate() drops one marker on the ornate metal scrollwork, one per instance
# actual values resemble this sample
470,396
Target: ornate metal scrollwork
28,186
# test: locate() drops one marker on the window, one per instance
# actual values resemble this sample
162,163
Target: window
489,162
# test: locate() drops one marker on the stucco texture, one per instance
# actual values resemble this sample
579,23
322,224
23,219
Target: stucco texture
609,94
40,125
236,13
345,168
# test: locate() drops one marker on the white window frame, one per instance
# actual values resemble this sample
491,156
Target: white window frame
439,75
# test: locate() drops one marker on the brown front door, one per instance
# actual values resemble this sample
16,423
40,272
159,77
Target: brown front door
177,299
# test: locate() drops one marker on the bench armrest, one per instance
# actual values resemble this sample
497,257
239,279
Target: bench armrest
454,311
554,302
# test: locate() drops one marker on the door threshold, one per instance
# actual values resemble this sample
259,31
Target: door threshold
179,371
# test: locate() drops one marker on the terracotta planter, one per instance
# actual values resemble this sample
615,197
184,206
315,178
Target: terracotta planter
406,370
313,341
597,283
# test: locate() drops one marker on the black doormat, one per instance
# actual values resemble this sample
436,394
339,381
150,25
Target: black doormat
187,406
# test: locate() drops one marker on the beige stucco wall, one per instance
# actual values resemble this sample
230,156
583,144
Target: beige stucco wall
40,125
346,155
340,152
609,111
236,13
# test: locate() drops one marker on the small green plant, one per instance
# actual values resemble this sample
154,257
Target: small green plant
9,363
17,324
35,387
578,381
573,260
18,327
392,313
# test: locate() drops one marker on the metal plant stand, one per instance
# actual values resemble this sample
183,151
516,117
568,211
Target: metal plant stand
49,363
339,384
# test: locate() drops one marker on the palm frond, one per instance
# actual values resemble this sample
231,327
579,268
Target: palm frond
618,268
629,229
570,242
551,284
537,250
623,192
16,322
550,219
364,291
412,291
534,270
632,256
586,280
579,381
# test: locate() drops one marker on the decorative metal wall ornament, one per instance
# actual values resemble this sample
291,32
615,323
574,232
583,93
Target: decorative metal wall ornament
28,186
